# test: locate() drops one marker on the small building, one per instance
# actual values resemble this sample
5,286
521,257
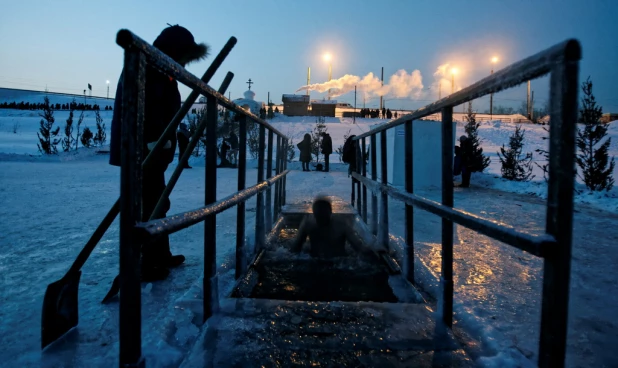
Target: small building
323,108
295,105
249,103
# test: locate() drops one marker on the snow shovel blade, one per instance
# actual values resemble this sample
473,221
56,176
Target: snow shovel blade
60,308
113,291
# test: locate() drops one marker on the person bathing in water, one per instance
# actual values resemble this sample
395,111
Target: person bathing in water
327,234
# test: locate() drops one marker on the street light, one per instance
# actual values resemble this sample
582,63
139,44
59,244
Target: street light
494,60
327,58
107,89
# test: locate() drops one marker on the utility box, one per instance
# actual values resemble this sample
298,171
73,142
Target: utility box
427,154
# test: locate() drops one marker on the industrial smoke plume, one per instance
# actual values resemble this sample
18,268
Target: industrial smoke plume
400,84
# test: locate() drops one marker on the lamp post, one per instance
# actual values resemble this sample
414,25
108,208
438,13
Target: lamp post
494,60
107,89
327,58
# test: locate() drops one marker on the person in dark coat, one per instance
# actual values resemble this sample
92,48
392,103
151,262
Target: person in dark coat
162,101
466,169
183,136
327,149
232,140
305,151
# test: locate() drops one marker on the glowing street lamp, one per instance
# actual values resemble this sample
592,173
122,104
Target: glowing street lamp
494,60
328,58
107,88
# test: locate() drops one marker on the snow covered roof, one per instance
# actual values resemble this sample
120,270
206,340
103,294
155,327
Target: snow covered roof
295,98
324,102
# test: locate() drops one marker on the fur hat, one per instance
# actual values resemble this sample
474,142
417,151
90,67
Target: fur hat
178,43
463,138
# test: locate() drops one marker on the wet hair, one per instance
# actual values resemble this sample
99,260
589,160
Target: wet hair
322,210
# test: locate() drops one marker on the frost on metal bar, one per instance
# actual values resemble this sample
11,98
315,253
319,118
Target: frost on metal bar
167,65
539,246
530,68
172,224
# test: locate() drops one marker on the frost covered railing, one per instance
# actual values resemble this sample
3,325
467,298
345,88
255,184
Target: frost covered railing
60,303
562,63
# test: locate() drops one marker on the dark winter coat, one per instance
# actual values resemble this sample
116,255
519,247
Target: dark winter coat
457,161
184,131
305,149
327,144
162,99
233,141
466,154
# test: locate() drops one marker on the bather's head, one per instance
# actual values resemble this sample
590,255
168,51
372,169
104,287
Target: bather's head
322,210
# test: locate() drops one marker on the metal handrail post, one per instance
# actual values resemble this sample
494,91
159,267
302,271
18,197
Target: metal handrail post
269,174
130,310
278,168
358,170
374,176
210,224
383,232
447,225
259,213
285,167
557,267
241,263
364,173
409,184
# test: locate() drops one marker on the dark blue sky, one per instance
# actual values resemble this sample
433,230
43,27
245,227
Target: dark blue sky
66,44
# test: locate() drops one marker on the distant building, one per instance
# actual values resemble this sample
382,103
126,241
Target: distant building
606,118
295,105
323,108
249,103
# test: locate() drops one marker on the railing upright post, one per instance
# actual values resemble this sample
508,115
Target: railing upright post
211,292
269,174
384,231
374,177
364,173
447,225
285,167
259,213
557,265
130,209
409,183
359,204
241,263
278,183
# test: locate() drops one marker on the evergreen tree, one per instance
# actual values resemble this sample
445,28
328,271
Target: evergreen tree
67,140
291,151
514,166
87,137
594,163
100,137
253,138
48,143
476,160
316,137
80,120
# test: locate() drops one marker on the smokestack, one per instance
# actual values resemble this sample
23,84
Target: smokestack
382,80
528,102
308,78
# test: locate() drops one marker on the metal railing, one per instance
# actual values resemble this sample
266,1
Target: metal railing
562,63
134,233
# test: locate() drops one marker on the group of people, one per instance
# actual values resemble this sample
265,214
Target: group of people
325,146
377,113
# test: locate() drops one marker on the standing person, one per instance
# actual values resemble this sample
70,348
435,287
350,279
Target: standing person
233,141
466,152
327,149
183,136
305,151
162,101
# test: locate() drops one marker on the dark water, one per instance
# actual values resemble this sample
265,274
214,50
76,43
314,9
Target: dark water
322,280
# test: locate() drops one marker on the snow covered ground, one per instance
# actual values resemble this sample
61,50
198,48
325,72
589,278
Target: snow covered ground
51,205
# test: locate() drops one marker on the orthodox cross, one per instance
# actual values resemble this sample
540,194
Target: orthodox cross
250,83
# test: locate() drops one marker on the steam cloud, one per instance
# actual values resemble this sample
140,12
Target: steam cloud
401,84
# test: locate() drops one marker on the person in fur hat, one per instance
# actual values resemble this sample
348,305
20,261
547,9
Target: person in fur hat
162,102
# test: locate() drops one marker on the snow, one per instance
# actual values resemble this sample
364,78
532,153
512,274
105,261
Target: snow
51,205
